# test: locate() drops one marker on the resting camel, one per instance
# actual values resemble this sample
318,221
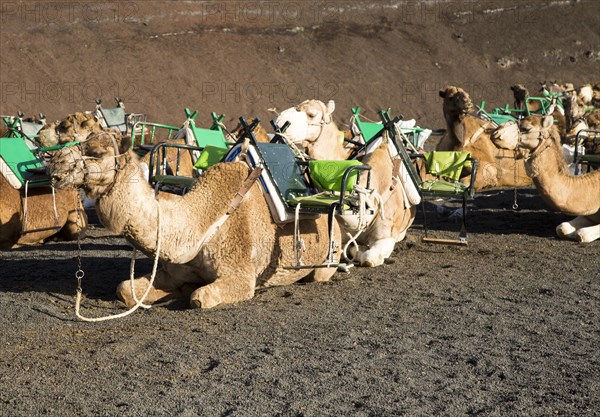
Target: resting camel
74,127
217,262
312,126
545,164
467,132
72,220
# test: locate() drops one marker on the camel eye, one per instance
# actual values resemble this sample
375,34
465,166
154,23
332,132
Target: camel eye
311,113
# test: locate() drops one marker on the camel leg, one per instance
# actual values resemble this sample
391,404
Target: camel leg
76,224
226,290
378,252
568,229
164,288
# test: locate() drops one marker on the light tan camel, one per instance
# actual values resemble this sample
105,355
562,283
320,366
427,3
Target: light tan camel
216,265
72,220
466,132
545,164
312,126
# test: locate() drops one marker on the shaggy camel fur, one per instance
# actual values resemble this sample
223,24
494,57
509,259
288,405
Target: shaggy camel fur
40,215
312,126
545,164
466,132
248,251
74,127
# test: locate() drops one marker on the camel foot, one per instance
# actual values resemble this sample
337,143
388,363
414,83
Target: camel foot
588,234
378,253
206,297
321,275
565,230
125,294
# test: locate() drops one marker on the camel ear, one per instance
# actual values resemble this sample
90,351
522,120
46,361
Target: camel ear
329,110
547,122
512,87
443,93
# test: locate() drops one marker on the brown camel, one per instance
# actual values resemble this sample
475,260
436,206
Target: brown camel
520,94
545,164
215,258
466,132
312,126
72,220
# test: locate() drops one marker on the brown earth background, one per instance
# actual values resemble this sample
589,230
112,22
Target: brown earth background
505,326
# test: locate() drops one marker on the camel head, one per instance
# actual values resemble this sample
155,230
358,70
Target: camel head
527,136
75,127
520,94
307,120
506,136
456,101
91,164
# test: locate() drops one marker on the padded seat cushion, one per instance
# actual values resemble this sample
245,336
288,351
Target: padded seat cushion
439,186
327,175
321,200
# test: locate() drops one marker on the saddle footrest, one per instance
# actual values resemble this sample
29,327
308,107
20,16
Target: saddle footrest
174,180
589,158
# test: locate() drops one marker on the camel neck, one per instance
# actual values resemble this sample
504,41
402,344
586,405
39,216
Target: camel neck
328,145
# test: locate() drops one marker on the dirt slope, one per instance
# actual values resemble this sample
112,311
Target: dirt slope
246,57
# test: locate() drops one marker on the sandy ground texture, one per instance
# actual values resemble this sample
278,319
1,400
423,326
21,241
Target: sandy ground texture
505,326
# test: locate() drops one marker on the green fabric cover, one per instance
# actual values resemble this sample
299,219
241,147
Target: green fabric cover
210,156
327,175
446,164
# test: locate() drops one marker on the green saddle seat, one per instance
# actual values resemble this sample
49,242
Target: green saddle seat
210,156
21,161
327,175
447,167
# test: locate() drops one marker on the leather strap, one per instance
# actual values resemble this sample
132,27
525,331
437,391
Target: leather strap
246,185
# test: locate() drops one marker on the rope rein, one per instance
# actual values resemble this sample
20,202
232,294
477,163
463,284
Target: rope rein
138,302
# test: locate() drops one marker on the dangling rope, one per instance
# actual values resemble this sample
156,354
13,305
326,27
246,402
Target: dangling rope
363,224
138,303
298,242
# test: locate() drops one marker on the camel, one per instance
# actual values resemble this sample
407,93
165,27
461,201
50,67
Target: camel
577,120
545,164
520,94
466,132
73,128
312,126
72,220
213,258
